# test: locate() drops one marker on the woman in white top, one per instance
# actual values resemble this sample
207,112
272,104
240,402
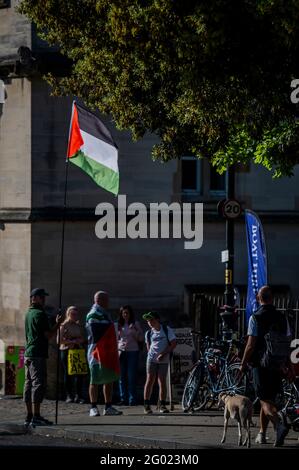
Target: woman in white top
130,335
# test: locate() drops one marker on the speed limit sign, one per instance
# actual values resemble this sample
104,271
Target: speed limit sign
231,208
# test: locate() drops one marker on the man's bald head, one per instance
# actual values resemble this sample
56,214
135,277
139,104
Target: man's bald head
265,295
101,298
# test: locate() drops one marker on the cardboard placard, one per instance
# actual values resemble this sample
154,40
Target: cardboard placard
77,364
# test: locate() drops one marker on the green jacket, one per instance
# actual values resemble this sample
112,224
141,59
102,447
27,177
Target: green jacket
36,325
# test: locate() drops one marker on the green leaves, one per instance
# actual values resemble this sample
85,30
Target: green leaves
211,78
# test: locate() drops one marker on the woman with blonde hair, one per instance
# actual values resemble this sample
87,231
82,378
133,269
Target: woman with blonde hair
71,337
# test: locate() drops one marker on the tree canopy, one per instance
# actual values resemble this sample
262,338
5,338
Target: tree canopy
210,78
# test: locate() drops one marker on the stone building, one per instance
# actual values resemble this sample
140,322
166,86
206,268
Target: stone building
146,273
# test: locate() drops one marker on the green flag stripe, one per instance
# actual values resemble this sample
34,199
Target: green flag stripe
101,375
101,175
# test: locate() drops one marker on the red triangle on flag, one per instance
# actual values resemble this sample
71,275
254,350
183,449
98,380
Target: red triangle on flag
75,137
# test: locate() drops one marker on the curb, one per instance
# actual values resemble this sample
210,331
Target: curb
148,443
7,429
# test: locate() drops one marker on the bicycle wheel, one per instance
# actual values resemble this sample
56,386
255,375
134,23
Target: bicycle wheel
204,399
290,394
192,387
230,381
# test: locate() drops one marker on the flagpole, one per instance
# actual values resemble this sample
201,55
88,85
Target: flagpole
61,270
60,284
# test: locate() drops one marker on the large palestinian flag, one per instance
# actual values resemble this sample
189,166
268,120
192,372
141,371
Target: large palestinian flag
92,148
102,351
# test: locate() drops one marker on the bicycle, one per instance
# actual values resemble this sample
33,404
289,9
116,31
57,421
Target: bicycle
290,411
214,372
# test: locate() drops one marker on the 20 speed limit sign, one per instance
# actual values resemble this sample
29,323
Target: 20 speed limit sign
231,208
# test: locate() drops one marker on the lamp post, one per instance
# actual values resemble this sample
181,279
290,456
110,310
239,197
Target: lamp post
231,209
229,236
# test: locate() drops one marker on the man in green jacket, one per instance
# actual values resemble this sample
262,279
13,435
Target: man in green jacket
38,332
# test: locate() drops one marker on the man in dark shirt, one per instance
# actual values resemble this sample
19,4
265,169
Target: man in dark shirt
267,381
38,332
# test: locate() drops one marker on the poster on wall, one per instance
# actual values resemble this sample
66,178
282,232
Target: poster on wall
14,370
182,360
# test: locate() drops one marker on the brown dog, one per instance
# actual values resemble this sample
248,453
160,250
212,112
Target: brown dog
239,408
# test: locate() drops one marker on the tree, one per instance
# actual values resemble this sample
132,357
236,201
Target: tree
211,78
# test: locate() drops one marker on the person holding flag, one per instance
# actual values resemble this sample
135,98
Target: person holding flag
102,354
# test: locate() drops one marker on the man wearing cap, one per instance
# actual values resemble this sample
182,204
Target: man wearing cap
160,342
38,332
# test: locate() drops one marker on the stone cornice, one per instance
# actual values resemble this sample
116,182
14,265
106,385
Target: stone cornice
28,64
23,215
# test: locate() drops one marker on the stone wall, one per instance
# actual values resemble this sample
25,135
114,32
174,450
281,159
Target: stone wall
15,30
15,147
15,203
15,276
145,273
141,179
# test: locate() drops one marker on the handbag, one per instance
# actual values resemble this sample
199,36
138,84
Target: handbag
76,362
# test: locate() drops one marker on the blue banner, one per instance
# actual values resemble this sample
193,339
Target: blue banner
257,260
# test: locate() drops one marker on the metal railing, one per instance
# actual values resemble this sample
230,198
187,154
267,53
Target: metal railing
207,308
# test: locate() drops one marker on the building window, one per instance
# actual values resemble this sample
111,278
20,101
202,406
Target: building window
4,3
191,175
217,182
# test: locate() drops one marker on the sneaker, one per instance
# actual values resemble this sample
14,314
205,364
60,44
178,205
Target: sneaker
281,432
147,410
94,412
121,403
163,409
112,412
27,421
40,421
261,438
79,400
69,399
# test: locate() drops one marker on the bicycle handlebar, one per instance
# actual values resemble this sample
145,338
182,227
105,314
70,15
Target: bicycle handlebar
195,333
209,341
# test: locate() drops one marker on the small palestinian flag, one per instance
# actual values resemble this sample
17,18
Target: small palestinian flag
92,148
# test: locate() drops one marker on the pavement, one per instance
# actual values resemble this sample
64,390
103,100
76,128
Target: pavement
175,430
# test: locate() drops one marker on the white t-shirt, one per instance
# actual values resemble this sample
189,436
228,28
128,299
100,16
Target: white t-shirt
158,344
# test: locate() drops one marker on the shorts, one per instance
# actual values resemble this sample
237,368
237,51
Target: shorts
35,379
156,368
267,383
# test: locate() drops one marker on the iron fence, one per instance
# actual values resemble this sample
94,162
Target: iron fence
207,308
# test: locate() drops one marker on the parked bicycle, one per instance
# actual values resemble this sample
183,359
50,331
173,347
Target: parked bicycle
215,372
290,410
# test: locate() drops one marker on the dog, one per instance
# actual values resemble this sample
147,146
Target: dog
239,408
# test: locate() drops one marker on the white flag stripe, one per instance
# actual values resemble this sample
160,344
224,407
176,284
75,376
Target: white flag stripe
99,151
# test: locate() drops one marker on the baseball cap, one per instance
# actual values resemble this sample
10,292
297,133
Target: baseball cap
38,291
151,316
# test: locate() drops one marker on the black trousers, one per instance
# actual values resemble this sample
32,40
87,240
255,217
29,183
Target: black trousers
72,383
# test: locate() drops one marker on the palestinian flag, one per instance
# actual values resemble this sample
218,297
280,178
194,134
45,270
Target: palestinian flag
102,351
92,148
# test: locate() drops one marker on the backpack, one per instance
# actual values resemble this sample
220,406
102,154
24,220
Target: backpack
148,335
277,347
